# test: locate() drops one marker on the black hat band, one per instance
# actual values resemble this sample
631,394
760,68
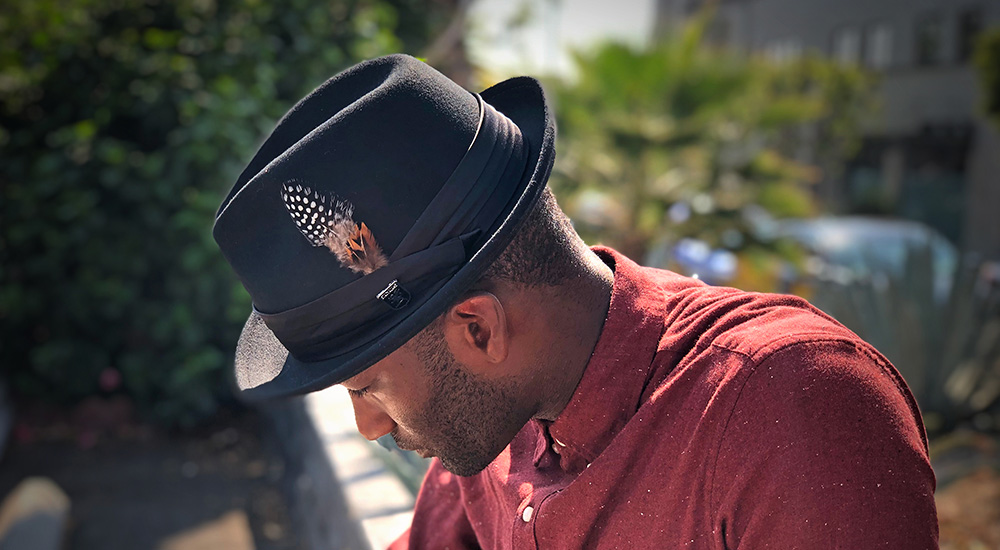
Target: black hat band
477,190
307,332
475,196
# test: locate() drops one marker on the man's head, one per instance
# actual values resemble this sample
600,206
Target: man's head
376,201
466,384
387,203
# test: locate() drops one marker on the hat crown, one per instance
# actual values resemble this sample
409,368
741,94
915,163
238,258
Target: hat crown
382,137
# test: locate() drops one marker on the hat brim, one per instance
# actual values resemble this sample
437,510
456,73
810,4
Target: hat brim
265,370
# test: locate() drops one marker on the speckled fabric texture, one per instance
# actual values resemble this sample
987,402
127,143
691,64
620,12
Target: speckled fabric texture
707,418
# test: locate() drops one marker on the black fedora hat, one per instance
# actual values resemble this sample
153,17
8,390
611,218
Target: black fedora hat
373,205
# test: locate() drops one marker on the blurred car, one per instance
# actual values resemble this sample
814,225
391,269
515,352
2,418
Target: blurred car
845,247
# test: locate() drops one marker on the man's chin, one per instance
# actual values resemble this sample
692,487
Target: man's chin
462,469
467,466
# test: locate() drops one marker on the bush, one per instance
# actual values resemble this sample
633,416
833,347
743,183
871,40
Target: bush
122,125
684,138
945,344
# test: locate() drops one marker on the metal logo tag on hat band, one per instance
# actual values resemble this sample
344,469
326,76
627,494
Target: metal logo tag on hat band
394,295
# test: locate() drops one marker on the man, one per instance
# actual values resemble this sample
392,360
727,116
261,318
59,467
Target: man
397,237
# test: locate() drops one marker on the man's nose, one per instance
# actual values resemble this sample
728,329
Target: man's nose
372,421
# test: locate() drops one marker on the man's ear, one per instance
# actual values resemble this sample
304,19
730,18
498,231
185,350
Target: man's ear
476,330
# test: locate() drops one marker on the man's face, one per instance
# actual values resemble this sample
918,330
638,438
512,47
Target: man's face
441,409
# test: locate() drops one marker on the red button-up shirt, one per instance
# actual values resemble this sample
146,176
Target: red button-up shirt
710,418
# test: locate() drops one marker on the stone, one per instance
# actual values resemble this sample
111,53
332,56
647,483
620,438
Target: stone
34,516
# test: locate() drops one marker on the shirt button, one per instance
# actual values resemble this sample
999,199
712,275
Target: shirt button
526,514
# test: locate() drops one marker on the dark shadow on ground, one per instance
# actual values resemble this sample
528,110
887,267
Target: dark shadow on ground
138,490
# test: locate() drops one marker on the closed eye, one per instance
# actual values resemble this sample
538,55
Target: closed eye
358,393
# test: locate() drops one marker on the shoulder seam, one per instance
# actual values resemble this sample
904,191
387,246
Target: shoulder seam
788,340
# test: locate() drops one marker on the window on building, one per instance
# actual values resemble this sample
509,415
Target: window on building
719,31
878,46
970,24
930,39
783,51
847,45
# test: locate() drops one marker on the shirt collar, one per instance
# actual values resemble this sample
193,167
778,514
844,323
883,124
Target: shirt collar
610,390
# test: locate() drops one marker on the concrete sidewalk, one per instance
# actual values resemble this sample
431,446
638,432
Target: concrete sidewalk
376,497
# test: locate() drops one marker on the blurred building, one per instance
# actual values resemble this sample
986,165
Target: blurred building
537,37
929,155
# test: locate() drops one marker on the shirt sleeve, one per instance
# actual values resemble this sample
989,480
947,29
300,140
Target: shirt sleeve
439,518
825,449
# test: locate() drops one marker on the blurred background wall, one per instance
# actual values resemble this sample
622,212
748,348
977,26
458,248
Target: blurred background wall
929,154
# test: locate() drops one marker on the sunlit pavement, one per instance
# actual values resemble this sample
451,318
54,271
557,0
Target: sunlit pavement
376,498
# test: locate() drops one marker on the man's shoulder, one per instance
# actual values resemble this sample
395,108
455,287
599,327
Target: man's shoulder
790,425
720,338
754,324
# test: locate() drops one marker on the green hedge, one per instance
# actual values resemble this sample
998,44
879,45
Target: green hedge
122,125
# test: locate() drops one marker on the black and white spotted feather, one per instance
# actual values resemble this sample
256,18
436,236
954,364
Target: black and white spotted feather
327,221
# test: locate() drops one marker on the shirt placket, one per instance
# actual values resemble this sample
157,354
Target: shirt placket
523,536
523,526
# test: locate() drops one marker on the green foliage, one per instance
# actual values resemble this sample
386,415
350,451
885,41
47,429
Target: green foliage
681,122
986,59
122,125
948,350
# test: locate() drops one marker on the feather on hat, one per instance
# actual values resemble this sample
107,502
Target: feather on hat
328,221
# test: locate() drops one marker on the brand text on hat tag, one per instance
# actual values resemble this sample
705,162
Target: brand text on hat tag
394,295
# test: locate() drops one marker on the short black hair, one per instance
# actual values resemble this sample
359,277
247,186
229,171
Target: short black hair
545,250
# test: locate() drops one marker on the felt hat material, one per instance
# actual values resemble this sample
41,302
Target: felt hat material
425,182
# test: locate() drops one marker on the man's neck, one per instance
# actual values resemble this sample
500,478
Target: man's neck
575,328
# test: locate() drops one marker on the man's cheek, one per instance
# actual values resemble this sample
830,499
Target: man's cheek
410,429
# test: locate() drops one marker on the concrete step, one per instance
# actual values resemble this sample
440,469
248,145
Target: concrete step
34,516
